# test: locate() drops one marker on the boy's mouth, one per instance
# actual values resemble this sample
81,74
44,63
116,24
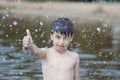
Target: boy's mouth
61,46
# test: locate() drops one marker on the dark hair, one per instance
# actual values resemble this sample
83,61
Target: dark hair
62,25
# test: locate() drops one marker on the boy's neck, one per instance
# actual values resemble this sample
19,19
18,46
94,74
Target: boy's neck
61,52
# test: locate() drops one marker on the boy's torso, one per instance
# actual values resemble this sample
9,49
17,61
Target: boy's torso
58,66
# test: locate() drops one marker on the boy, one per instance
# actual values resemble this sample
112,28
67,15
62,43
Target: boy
57,62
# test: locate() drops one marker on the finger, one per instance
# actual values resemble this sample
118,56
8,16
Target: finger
25,43
29,36
28,32
26,38
25,46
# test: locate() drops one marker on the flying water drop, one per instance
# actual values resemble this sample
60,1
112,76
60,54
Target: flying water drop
41,23
98,29
10,25
36,30
6,35
3,17
46,16
15,23
43,41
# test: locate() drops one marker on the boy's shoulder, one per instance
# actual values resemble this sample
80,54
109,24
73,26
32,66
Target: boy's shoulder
74,54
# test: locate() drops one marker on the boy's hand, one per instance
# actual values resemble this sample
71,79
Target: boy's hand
27,40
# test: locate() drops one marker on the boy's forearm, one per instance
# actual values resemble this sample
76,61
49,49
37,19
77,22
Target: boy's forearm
39,52
34,49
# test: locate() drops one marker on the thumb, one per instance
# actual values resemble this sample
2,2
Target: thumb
28,32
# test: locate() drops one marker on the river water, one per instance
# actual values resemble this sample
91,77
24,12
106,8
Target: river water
98,46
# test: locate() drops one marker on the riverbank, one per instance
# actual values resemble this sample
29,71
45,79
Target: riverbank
83,11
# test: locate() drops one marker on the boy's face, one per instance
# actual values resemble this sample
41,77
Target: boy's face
60,41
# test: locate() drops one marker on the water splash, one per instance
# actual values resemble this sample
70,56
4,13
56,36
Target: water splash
6,35
3,17
36,30
46,16
43,41
10,25
15,23
41,23
98,29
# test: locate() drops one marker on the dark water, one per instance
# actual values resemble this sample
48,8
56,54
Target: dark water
97,43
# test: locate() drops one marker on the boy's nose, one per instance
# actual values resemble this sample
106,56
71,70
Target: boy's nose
61,41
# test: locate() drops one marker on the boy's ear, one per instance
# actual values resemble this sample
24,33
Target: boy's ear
51,36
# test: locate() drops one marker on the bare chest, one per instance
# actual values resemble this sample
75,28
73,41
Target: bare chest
64,62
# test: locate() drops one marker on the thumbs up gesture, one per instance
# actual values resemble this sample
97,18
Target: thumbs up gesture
27,40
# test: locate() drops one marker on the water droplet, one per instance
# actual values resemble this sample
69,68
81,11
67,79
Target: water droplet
36,36
1,32
110,53
36,20
104,30
98,29
100,54
6,35
16,32
22,58
36,30
12,65
46,16
84,36
21,73
42,35
4,59
105,25
49,41
43,41
12,47
41,23
15,23
3,17
104,62
10,25
11,29
7,15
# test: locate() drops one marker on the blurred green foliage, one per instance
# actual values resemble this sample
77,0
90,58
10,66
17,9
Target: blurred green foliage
90,36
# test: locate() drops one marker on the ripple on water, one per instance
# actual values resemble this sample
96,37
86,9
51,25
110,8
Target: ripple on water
108,72
15,78
88,56
6,49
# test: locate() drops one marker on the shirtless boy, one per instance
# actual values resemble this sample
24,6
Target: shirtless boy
58,63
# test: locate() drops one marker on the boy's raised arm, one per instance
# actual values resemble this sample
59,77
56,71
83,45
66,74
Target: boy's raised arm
28,43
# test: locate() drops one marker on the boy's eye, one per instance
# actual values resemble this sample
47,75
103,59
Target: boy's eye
57,36
66,37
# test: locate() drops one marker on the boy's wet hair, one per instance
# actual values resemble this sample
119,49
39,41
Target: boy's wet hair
63,26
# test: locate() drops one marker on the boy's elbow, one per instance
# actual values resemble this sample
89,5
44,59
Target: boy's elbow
42,53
